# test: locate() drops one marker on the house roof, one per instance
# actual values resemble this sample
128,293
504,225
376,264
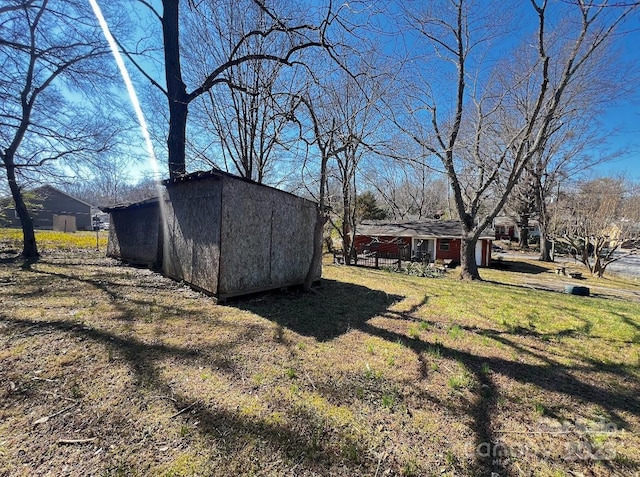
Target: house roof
50,188
422,228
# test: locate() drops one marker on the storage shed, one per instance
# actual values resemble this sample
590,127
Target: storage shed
135,233
220,233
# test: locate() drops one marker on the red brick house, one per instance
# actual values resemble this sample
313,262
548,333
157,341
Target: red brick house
426,240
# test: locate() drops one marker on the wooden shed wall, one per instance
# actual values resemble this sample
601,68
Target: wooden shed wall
266,240
135,235
192,248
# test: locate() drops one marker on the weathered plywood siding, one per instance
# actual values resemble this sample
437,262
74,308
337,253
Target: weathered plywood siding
135,235
192,248
267,238
292,232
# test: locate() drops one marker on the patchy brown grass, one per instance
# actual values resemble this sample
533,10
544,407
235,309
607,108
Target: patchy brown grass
112,370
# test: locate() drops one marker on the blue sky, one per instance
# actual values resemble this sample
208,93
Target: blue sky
625,116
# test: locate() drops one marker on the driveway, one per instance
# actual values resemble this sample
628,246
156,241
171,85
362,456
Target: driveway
628,265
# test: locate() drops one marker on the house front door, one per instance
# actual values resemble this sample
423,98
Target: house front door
423,250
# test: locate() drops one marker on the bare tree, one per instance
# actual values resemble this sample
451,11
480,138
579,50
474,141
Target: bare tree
109,184
50,53
577,141
408,190
293,39
349,105
244,121
568,155
321,136
597,219
487,130
328,130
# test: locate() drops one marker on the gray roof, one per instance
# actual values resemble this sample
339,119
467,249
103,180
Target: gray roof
48,187
421,228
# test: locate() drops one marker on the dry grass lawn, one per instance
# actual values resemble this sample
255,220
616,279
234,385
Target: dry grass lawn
111,370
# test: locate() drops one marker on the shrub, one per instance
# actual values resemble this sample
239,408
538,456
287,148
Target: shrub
416,269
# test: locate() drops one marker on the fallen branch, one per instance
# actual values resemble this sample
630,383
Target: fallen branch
310,380
76,441
44,419
37,378
182,410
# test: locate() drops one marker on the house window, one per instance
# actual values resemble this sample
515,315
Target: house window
444,245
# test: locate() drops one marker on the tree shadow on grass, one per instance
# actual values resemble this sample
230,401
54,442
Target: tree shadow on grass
519,267
335,309
300,441
229,429
340,307
625,319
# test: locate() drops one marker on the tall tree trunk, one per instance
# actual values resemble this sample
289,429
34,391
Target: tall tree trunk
318,230
176,89
346,224
177,138
29,247
346,245
544,221
468,266
316,259
545,248
523,237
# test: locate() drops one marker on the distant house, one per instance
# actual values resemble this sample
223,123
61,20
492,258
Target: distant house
51,209
219,233
506,228
428,240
